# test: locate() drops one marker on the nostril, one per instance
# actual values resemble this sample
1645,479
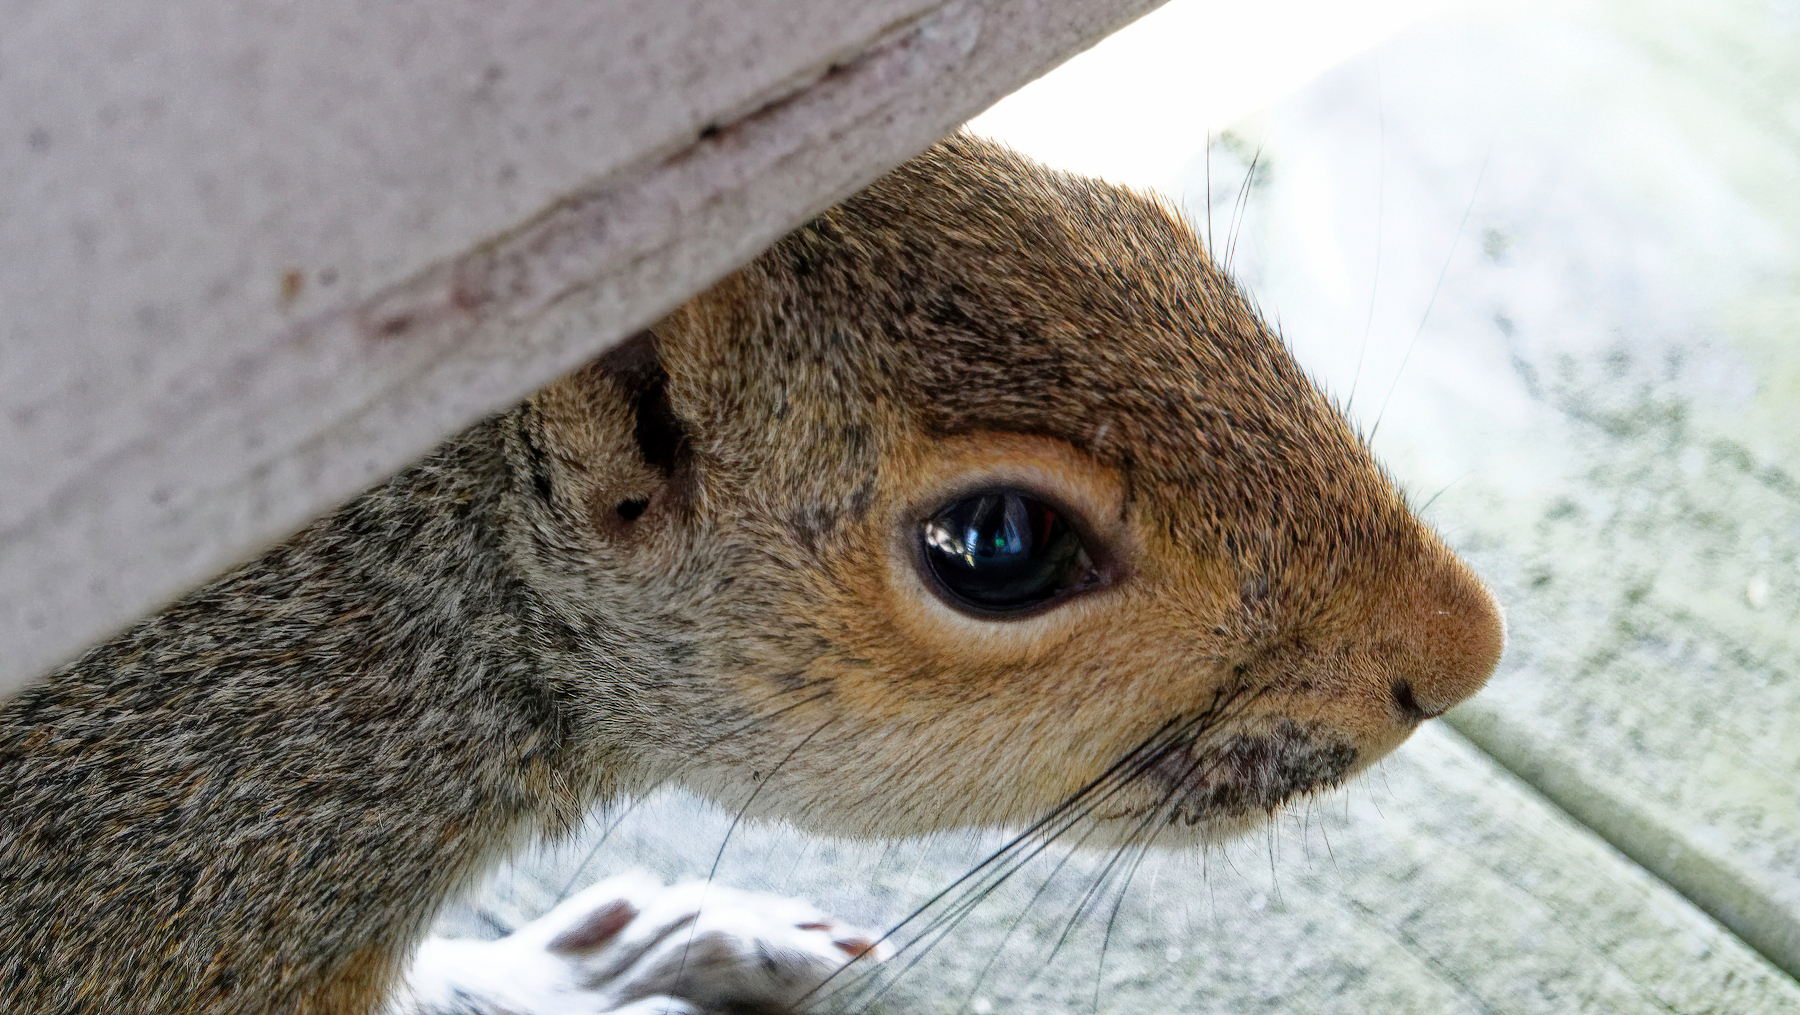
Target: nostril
1409,705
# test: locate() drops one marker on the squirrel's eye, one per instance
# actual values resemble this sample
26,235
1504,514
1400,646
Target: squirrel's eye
1004,551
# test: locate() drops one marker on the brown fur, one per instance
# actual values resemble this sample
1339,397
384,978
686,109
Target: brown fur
693,561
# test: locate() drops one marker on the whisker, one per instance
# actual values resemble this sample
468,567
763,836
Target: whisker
1274,857
752,723
1423,507
1094,890
1111,920
693,926
1043,822
943,927
1156,820
1445,270
594,850
1180,737
637,801
1025,911
1005,863
1325,833
755,792
1380,220
1211,251
1239,207
985,877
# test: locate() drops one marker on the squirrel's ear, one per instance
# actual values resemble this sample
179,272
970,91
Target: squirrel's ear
605,443
663,440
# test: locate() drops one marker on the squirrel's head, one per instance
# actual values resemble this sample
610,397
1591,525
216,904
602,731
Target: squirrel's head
981,495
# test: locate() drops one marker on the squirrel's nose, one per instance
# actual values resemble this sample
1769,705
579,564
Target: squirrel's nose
1454,633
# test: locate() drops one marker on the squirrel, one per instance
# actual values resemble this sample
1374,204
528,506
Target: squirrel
982,496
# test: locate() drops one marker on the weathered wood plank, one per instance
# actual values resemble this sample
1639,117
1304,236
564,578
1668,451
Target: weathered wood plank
1570,237
1438,884
260,257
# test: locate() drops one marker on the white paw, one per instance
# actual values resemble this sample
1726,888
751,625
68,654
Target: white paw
631,944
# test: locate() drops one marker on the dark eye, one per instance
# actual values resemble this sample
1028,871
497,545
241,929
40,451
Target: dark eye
1004,551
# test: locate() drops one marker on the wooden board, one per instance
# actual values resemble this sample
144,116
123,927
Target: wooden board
260,256
1553,251
1437,885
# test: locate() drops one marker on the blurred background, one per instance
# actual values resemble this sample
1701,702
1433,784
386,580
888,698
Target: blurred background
1547,256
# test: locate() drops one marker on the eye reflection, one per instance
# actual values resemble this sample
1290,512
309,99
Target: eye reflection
939,537
1003,551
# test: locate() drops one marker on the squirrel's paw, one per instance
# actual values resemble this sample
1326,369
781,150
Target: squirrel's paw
631,944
